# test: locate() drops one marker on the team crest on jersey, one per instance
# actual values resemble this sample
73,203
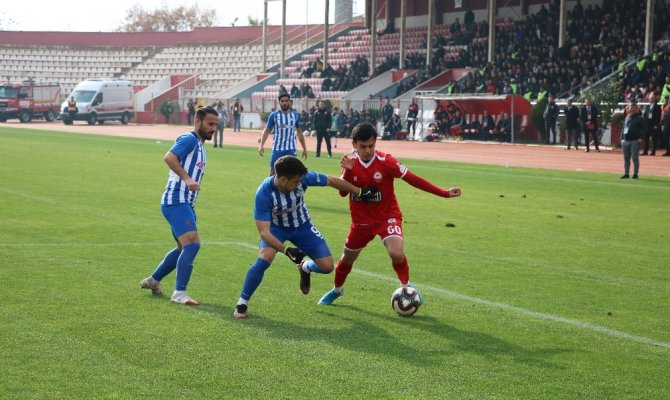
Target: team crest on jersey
199,164
377,176
392,221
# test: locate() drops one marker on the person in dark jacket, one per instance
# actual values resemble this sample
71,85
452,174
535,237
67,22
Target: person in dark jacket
550,115
589,117
393,126
387,111
666,132
412,116
652,117
341,124
571,124
633,131
321,122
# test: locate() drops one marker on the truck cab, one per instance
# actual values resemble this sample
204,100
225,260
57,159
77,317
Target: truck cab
28,100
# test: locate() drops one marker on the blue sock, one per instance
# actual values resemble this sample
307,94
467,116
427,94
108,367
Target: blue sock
254,278
168,264
185,265
311,265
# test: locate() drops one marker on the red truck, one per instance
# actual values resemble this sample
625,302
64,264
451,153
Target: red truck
28,100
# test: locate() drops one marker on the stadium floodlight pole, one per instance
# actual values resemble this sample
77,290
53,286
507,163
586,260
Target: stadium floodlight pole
283,39
265,34
373,37
562,21
429,39
403,15
649,28
492,29
325,37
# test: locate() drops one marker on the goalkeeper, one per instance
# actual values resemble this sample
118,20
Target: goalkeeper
281,215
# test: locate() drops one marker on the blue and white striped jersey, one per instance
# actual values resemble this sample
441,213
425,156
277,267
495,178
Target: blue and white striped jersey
191,153
286,210
284,127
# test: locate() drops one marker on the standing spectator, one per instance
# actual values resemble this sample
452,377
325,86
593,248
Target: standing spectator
469,18
223,119
412,115
666,129
632,133
550,115
334,129
281,214
652,117
237,108
286,126
589,117
572,124
190,111
387,111
321,122
187,162
341,124
379,215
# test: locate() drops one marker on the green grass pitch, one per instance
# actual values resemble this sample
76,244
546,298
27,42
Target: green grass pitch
551,285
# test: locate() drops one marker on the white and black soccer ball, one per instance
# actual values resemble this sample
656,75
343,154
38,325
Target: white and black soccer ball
406,300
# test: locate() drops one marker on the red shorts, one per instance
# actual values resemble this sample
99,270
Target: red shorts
361,234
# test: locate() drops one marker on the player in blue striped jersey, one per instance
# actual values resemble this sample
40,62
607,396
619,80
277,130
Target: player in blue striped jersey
285,123
187,161
281,214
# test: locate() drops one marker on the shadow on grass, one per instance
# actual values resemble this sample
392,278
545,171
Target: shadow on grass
404,338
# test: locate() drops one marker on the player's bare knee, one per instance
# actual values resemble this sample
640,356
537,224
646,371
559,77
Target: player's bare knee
267,254
397,256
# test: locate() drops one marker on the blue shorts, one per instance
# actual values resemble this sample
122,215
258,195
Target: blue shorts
307,238
181,218
276,154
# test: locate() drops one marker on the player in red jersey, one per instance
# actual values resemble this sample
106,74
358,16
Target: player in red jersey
379,216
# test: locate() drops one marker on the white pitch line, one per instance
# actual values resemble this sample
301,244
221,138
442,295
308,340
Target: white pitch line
450,293
525,311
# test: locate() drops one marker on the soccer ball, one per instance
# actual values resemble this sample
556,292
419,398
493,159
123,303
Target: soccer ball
406,300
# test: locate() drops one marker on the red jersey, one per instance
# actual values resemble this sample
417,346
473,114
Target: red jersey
379,172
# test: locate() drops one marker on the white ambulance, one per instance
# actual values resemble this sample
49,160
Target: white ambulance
98,101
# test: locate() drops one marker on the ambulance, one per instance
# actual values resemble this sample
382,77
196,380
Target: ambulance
99,101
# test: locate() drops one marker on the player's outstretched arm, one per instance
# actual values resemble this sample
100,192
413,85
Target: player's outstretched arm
420,183
343,186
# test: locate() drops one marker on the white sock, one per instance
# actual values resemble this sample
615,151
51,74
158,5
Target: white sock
242,301
338,290
303,267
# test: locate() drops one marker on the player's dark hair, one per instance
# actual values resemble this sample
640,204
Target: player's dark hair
289,167
363,131
202,112
283,94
